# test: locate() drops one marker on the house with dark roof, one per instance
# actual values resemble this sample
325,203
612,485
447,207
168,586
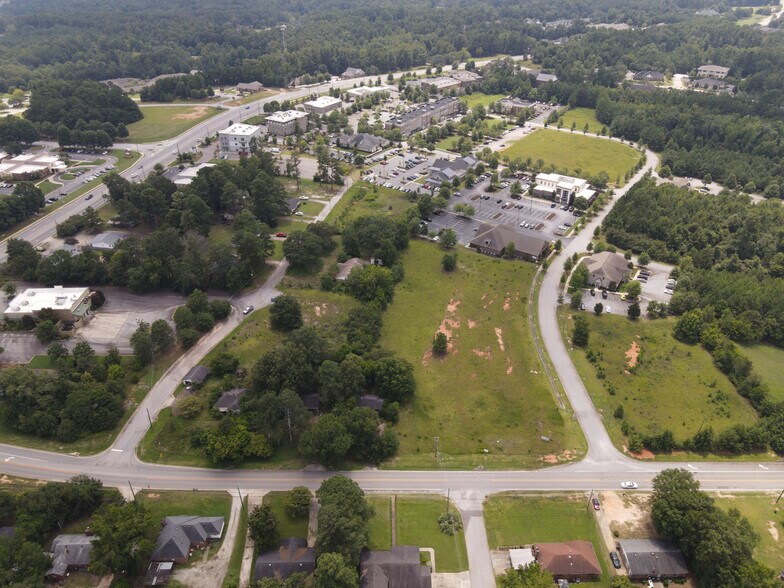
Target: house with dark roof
352,72
443,170
652,558
70,553
648,75
606,270
312,402
397,568
196,376
291,557
229,401
371,401
570,560
106,241
182,533
364,142
292,204
492,241
543,78
714,85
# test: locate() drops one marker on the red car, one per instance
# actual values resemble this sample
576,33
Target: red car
281,235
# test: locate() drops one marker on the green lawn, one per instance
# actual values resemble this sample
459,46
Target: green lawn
232,579
487,400
220,234
308,188
517,520
416,523
765,517
673,386
46,186
311,208
768,361
380,526
477,98
570,151
165,122
580,116
277,253
289,527
364,199
289,225
448,144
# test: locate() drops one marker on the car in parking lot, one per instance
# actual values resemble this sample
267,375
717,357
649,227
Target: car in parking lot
604,294
607,309
553,205
616,561
629,485
582,306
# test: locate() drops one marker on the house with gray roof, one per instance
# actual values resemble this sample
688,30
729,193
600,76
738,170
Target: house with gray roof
606,270
250,87
397,568
364,142
492,240
345,268
352,72
293,556
70,553
444,171
196,376
514,105
714,85
543,78
371,401
106,241
230,401
652,558
648,75
182,533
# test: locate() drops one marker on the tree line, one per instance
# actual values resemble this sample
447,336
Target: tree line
187,87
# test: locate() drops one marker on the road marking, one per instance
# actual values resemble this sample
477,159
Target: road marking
691,466
763,467
7,459
117,450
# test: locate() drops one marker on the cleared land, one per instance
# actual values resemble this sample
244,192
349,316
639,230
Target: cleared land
165,122
768,361
367,199
487,399
571,151
672,386
516,520
417,524
765,516
289,527
380,526
477,98
580,116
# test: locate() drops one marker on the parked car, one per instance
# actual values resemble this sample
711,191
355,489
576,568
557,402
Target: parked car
595,503
553,205
607,309
616,561
299,213
582,306
604,294
629,485
88,197
304,197
284,235
247,310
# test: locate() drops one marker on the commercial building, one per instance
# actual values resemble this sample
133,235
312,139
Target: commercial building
466,77
514,106
106,241
652,558
493,240
286,122
322,105
439,84
422,117
30,166
444,170
562,189
363,91
250,87
713,71
607,270
714,85
364,142
237,138
70,305
186,176
352,72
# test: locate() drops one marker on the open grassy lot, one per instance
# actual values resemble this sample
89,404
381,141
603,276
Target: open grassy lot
367,199
477,98
165,122
766,518
380,526
672,386
571,151
289,527
308,188
417,524
768,361
311,208
751,20
487,399
448,144
220,234
580,116
289,225
515,520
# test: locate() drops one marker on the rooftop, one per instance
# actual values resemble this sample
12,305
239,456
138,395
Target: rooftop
36,299
106,241
181,532
323,101
291,557
653,557
424,109
240,129
70,551
285,116
570,558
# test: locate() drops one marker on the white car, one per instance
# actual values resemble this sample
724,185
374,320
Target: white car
304,197
607,309
299,213
629,485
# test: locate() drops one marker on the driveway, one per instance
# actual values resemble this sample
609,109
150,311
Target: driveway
653,289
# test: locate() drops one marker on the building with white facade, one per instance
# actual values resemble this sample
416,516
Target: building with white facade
363,91
68,304
322,105
421,117
562,189
713,71
30,166
237,138
286,122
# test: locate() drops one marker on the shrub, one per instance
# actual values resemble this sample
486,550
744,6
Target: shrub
450,523
298,502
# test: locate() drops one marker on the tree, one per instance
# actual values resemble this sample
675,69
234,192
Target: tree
297,502
581,331
621,582
448,238
161,336
224,363
509,251
439,344
285,313
633,289
303,249
46,332
332,571
9,289
449,262
122,545
643,259
342,519
531,576
634,312
84,356
141,342
264,528
598,308
294,414
327,441
576,300
394,379
465,210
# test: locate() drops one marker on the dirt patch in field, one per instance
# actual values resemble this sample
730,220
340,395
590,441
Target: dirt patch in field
632,354
317,310
486,353
450,323
629,514
509,367
194,113
773,530
499,336
471,324
550,458
644,454
508,301
153,496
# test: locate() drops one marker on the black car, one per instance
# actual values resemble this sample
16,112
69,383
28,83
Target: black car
616,561
499,201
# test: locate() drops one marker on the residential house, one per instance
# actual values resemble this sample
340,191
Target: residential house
70,553
345,268
287,122
364,142
445,171
70,305
322,105
293,556
543,78
312,402
292,204
196,376
514,106
423,116
649,76
250,87
371,401
230,401
397,568
562,189
606,270
570,560
718,72
238,138
492,241
652,558
353,72
182,533
106,241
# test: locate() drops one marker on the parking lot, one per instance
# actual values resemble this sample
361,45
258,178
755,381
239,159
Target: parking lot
395,174
654,285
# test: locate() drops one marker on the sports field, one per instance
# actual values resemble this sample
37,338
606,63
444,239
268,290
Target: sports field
165,122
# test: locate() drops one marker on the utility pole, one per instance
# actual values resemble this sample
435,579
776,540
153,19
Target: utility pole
239,493
780,495
148,415
132,492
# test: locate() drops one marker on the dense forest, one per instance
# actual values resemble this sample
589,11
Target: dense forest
190,87
241,40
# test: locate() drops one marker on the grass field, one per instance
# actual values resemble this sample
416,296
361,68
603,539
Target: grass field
477,98
751,20
165,122
448,144
416,523
765,517
220,234
580,116
673,386
46,186
232,579
380,525
768,361
516,520
487,399
289,527
308,188
311,208
570,151
368,199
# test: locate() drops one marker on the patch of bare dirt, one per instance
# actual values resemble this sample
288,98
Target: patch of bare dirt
317,310
550,458
153,496
773,530
644,454
471,324
507,302
486,353
499,336
629,514
632,354
193,114
448,324
509,367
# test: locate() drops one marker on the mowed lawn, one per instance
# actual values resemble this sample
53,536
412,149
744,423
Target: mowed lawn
673,386
165,122
296,527
580,116
364,199
516,520
769,365
477,98
416,523
765,517
570,151
487,399
380,526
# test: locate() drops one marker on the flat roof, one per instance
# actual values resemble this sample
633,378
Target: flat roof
362,90
28,168
192,172
423,110
240,129
323,101
36,299
285,116
521,557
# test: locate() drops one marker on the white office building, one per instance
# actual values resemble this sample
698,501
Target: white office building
562,189
717,72
68,304
237,138
322,105
286,122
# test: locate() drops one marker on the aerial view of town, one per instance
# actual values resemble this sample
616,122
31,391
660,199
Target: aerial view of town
391,293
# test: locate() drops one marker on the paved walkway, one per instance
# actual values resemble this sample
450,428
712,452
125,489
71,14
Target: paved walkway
480,564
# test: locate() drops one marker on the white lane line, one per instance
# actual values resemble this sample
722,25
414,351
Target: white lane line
117,450
763,467
10,457
7,459
692,467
